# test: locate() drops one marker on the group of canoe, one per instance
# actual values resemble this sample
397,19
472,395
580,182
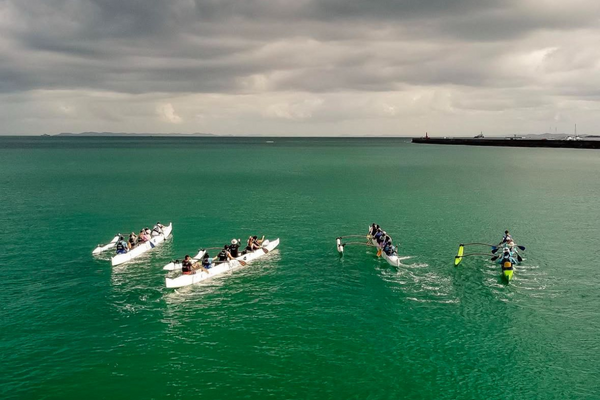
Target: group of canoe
193,270
202,267
505,253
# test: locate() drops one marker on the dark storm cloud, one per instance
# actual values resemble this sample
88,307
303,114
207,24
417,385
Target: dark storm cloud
138,46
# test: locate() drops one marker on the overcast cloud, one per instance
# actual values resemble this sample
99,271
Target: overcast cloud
303,67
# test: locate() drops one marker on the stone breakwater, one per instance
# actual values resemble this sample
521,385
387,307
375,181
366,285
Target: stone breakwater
571,144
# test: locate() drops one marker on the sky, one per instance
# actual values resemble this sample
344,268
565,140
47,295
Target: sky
301,67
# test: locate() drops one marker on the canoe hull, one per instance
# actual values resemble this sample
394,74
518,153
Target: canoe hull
219,269
392,260
142,248
508,275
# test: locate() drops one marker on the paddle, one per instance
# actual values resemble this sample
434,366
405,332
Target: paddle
482,244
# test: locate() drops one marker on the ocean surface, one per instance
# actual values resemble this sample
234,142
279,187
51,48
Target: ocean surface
301,323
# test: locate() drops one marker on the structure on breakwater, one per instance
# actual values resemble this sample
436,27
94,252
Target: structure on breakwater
512,142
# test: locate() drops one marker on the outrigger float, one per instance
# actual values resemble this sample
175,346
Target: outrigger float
103,247
200,275
506,257
392,258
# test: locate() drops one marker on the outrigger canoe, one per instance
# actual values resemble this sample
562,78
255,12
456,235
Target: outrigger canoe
142,247
507,267
103,247
371,242
218,269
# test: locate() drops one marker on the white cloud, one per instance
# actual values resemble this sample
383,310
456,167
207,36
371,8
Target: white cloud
167,113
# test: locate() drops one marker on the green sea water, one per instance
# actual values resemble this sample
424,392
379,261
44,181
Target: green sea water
302,322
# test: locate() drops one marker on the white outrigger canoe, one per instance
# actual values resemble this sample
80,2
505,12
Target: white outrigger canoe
103,247
218,269
394,259
142,247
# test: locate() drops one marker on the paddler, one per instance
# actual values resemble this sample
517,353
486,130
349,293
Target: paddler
223,255
506,238
373,229
253,243
257,240
157,229
506,257
206,261
132,240
513,247
234,248
142,237
121,246
389,249
187,265
383,239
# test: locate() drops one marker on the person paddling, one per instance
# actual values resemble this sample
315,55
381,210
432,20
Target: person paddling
206,261
234,248
258,241
253,243
132,240
143,237
121,246
157,229
507,257
223,255
373,229
187,265
506,238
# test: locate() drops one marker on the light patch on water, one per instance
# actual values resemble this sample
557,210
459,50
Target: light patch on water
420,283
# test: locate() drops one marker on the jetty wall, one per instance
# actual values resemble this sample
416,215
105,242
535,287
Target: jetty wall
570,144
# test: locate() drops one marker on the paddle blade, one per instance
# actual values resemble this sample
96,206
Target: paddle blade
379,253
495,249
264,250
494,258
521,248
243,263
459,255
519,258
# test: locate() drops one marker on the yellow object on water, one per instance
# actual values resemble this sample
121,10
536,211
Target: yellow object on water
458,258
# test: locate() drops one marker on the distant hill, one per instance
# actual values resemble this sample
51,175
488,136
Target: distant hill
115,134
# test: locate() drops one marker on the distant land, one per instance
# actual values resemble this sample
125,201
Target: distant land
113,134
